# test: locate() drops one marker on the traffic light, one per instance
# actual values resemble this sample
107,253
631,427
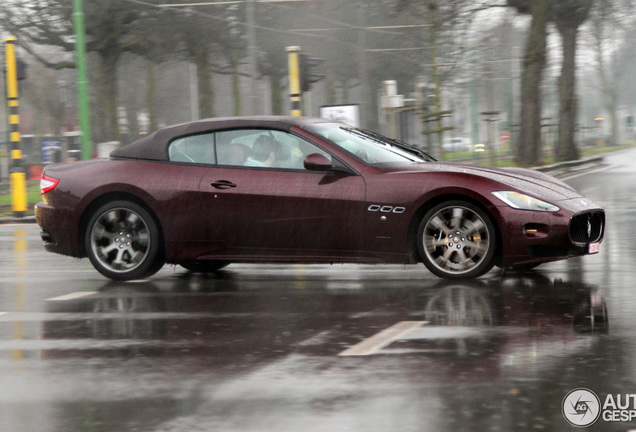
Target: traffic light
302,75
307,66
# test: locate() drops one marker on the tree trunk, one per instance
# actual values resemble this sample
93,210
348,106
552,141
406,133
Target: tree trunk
566,147
528,151
107,123
151,105
569,16
204,79
236,91
278,90
612,109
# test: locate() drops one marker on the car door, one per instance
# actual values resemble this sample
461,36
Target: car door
186,227
276,207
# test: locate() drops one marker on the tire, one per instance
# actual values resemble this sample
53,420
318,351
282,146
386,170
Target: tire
122,241
204,266
457,240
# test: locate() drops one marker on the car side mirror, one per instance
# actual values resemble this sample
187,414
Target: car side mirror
317,162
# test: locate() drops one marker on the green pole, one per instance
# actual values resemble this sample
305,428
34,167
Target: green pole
82,80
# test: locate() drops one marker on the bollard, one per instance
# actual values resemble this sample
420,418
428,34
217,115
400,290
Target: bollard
17,174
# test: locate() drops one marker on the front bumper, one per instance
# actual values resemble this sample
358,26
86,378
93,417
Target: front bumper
537,237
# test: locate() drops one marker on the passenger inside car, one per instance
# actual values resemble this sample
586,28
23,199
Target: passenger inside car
263,153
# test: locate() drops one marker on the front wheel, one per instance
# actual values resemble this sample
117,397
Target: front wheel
122,241
457,240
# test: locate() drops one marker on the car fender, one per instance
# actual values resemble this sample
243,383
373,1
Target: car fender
111,192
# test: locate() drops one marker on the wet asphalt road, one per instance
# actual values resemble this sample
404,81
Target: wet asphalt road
320,348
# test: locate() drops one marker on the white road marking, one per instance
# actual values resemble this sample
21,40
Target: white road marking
382,339
72,296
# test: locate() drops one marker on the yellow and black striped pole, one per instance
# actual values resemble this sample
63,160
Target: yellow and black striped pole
295,93
17,175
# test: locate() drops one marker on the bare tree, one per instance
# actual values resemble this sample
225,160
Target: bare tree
213,42
112,28
610,23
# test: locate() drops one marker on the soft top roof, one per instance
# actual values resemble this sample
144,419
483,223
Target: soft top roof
155,145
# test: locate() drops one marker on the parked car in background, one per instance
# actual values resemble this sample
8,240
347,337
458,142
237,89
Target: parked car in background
457,145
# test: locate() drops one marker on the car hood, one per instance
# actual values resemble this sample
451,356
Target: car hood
535,183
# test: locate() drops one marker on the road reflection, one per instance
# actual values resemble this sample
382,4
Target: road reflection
481,330
531,300
240,346
225,314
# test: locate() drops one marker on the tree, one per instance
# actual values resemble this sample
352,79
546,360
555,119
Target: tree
214,41
568,15
193,42
611,21
528,149
446,33
113,27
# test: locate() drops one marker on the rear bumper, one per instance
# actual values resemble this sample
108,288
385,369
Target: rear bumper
59,231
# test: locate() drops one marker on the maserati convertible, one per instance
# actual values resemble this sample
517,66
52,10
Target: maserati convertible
213,192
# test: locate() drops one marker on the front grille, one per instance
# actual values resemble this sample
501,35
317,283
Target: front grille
587,227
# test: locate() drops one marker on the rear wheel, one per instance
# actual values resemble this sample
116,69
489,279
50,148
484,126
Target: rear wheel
122,241
457,240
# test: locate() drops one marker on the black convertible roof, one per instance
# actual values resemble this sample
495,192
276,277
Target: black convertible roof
155,145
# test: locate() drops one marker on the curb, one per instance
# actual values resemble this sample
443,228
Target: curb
16,220
562,168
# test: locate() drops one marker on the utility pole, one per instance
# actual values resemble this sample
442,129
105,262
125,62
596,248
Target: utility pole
82,80
17,174
366,118
251,50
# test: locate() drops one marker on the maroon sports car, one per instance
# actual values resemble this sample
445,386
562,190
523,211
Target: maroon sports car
289,189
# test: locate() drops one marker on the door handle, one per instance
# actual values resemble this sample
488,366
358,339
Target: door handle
223,184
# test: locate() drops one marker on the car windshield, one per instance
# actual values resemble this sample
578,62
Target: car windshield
370,147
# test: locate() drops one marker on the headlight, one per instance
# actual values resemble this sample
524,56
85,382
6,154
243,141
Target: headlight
524,202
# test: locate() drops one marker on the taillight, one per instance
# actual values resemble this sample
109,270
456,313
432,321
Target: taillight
47,184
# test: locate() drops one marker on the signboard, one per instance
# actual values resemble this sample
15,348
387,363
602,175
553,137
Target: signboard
51,150
349,114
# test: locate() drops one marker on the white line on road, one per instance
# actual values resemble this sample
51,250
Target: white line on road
72,296
382,339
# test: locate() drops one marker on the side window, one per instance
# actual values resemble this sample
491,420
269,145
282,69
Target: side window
197,149
263,148
235,146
